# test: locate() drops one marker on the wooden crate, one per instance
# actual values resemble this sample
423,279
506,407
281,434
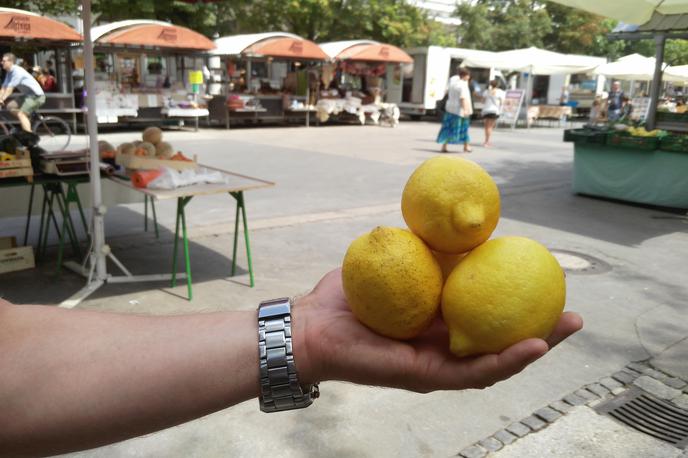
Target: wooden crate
150,163
13,258
20,167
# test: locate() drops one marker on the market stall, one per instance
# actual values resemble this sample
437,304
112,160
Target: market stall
263,77
544,75
633,162
42,44
149,71
362,76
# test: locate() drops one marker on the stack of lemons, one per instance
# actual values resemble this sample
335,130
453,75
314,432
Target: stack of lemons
492,293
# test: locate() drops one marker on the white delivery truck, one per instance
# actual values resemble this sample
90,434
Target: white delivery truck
424,82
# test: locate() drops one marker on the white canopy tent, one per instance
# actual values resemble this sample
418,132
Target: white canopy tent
680,72
636,67
535,61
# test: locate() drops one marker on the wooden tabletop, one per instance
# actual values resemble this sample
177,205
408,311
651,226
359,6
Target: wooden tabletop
234,183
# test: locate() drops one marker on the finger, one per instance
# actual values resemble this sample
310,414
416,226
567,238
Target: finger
486,370
568,324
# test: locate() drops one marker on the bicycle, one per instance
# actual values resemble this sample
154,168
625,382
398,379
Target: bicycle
54,132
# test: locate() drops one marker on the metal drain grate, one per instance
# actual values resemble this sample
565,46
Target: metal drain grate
649,415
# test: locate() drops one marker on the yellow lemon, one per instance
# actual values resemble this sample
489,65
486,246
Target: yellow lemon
447,262
451,203
392,282
506,290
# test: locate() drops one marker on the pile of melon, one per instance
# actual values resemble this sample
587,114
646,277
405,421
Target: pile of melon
152,146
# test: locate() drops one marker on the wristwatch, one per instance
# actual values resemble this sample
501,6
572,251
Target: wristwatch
279,381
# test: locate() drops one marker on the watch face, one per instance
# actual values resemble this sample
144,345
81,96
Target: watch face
274,308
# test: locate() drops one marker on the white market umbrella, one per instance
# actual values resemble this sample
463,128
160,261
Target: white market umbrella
678,73
96,273
635,67
629,11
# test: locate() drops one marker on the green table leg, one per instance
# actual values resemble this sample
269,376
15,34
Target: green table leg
72,192
40,227
145,215
28,215
241,206
67,223
181,216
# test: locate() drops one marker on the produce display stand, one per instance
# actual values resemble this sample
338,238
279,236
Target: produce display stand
145,70
263,77
645,170
234,185
37,39
358,64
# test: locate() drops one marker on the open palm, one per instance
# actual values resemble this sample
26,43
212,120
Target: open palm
339,347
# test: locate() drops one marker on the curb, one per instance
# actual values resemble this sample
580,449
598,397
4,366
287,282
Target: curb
640,374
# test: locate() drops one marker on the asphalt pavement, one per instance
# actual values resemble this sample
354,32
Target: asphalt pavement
626,275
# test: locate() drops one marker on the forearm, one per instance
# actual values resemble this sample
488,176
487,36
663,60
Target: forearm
6,92
77,379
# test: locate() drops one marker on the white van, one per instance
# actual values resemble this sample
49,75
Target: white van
424,82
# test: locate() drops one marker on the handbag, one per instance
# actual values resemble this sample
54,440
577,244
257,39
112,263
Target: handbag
441,105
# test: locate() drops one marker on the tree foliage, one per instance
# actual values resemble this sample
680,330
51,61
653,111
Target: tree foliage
486,24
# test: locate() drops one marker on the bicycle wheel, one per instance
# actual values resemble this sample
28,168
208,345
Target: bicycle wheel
54,133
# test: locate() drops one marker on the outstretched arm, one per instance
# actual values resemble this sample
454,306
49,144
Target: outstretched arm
76,379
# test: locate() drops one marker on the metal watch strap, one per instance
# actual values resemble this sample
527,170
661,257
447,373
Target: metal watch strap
279,382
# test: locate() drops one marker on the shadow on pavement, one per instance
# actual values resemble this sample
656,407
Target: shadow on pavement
141,253
544,197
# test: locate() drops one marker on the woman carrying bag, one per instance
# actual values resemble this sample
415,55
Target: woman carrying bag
458,111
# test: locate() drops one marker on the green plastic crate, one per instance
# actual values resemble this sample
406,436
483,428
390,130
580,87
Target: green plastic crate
672,117
625,140
585,136
674,143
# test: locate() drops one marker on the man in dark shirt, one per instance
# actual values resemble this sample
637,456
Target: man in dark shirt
615,102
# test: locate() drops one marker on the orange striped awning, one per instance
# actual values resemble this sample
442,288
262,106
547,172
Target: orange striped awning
159,35
286,47
16,24
375,53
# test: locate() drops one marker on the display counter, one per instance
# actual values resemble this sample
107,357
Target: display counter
235,109
648,177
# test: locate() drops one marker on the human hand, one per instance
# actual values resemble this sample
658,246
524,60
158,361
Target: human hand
331,344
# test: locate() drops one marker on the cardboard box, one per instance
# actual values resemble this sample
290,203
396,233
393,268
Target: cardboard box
13,258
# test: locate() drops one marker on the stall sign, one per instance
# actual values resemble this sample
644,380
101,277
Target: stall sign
19,24
511,108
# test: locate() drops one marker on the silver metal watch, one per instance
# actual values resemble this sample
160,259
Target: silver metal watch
279,382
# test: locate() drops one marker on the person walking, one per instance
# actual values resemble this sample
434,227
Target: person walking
492,108
458,111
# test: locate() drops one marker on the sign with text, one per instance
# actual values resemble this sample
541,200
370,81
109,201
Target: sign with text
511,108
